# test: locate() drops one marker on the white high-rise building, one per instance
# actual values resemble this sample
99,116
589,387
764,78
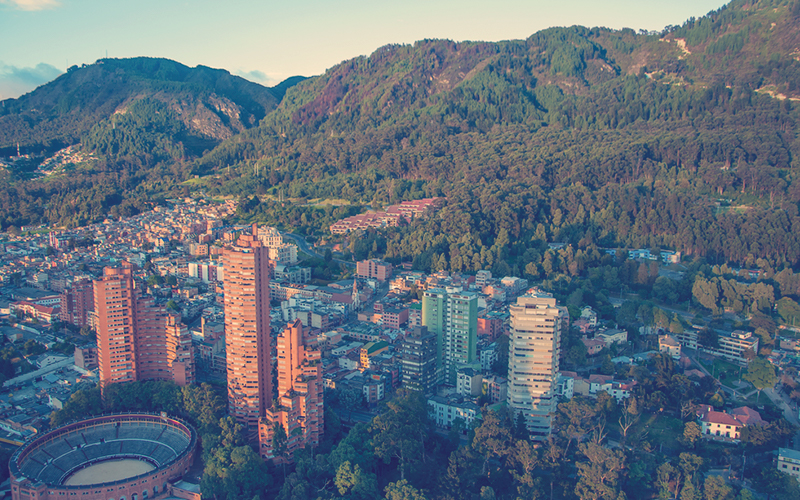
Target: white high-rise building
537,325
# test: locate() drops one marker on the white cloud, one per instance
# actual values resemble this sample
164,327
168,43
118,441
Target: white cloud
32,4
16,81
259,77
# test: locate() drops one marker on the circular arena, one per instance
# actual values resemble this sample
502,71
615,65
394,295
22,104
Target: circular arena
112,457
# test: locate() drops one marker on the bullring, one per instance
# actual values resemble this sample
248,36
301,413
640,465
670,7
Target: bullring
110,457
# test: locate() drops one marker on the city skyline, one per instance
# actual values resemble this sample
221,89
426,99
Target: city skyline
269,43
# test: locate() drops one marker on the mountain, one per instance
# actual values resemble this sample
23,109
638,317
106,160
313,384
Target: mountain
630,138
211,104
685,139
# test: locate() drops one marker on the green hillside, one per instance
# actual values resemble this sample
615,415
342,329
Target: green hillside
594,137
588,136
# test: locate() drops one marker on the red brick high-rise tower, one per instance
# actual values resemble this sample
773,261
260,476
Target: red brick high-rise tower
247,330
134,339
300,405
77,302
114,302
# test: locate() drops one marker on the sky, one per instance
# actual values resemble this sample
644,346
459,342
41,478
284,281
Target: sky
267,41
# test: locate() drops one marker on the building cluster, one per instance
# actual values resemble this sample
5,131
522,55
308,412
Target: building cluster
393,216
254,319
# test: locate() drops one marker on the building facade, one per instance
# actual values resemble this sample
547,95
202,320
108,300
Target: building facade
133,334
418,359
373,268
453,318
300,406
77,303
247,330
537,325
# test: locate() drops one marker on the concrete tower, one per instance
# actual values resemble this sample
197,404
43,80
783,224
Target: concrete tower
115,301
418,358
452,316
537,325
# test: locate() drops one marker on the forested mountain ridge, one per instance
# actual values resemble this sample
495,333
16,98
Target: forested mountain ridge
578,135
585,136
141,118
210,103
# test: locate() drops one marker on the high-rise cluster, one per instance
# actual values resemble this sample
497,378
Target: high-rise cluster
137,339
298,408
537,325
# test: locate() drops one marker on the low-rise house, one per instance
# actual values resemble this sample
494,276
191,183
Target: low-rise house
444,411
789,462
593,346
668,345
724,426
612,336
468,382
495,388
565,385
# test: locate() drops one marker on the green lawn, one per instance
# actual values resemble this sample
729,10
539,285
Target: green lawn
725,371
657,429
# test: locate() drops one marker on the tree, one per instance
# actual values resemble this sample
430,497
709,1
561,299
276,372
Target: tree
351,399
352,482
155,279
629,416
599,477
716,489
401,431
492,440
205,405
708,338
668,480
576,418
280,445
691,433
761,374
81,404
402,490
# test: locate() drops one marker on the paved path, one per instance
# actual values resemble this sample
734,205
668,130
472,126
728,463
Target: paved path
788,412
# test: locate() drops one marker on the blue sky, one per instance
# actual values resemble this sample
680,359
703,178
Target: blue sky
268,41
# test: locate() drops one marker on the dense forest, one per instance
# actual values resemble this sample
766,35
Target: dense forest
684,139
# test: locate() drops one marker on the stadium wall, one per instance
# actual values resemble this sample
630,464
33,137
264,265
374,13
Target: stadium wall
149,486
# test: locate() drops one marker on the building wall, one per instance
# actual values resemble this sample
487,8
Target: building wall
462,333
115,299
418,360
301,408
247,330
434,314
537,324
789,462
77,302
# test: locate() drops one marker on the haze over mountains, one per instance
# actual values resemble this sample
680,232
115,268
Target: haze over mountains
630,138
